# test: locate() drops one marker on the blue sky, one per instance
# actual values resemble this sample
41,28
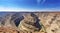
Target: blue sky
29,5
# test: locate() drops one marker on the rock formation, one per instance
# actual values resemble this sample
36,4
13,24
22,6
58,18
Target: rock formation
39,22
50,21
30,23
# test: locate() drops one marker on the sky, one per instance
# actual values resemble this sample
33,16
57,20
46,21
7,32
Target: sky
29,5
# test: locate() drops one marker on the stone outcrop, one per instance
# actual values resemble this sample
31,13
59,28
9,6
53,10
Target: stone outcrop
30,23
40,22
50,21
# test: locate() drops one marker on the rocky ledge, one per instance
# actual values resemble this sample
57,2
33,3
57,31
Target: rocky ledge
42,22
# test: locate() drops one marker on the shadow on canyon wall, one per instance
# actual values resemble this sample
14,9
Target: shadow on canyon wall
37,21
17,17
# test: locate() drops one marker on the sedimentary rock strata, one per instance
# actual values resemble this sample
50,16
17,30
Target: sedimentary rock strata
29,23
40,22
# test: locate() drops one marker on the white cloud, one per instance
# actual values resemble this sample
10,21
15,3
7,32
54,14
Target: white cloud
13,9
40,1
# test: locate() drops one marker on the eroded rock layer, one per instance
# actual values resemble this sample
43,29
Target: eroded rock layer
40,22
